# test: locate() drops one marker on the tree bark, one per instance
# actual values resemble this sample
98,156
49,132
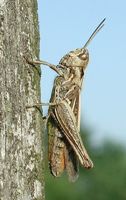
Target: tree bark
21,138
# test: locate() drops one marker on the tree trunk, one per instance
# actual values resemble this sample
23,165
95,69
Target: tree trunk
21,139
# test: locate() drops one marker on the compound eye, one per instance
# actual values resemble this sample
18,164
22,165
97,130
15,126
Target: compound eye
84,56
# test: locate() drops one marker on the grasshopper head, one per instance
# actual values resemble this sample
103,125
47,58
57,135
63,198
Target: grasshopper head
80,57
77,58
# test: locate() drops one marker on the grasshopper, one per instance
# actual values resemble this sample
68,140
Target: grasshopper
66,148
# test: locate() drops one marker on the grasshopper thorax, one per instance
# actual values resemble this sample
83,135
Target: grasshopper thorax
76,58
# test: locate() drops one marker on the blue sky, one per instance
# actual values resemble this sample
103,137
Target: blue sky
66,25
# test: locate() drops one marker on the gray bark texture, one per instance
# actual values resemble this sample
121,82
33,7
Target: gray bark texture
21,138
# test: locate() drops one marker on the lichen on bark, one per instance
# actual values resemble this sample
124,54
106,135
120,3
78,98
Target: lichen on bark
21,138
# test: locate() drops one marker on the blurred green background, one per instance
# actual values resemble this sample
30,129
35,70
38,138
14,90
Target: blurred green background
106,181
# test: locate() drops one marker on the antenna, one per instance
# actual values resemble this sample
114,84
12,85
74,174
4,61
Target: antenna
99,27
